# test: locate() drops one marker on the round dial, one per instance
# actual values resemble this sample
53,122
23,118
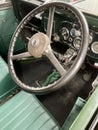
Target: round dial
77,42
65,33
94,47
74,32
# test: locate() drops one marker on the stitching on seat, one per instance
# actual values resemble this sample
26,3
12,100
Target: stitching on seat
16,115
26,117
13,109
36,119
44,123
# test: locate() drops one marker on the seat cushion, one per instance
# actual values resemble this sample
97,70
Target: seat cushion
7,85
25,112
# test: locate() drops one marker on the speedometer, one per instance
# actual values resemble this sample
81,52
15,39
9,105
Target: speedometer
77,42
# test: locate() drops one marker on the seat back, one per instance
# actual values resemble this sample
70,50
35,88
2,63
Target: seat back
7,85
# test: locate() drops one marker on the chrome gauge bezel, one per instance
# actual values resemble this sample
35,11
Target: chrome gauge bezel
64,31
93,47
75,42
74,32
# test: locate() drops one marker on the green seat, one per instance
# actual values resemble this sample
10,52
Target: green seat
7,86
25,112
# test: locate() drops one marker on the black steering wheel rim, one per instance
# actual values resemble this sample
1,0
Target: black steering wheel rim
75,67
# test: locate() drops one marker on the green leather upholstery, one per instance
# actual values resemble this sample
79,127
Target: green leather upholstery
79,104
7,86
25,112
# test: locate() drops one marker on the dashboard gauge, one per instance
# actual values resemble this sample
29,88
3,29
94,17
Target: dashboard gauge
94,47
64,33
75,33
77,42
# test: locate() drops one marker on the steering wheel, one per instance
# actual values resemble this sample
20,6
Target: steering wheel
40,44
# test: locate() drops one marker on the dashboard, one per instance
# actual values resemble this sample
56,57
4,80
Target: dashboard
66,30
90,10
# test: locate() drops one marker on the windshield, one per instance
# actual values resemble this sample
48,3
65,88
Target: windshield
88,6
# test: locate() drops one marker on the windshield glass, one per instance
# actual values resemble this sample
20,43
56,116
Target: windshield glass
88,6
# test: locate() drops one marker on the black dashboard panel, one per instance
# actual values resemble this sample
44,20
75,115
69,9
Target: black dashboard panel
23,7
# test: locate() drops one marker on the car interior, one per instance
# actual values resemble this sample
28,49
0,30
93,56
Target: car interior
48,65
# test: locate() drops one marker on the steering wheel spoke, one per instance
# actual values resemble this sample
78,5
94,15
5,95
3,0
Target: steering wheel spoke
21,56
48,52
50,22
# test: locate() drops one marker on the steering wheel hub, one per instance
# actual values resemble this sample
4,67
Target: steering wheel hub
38,44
